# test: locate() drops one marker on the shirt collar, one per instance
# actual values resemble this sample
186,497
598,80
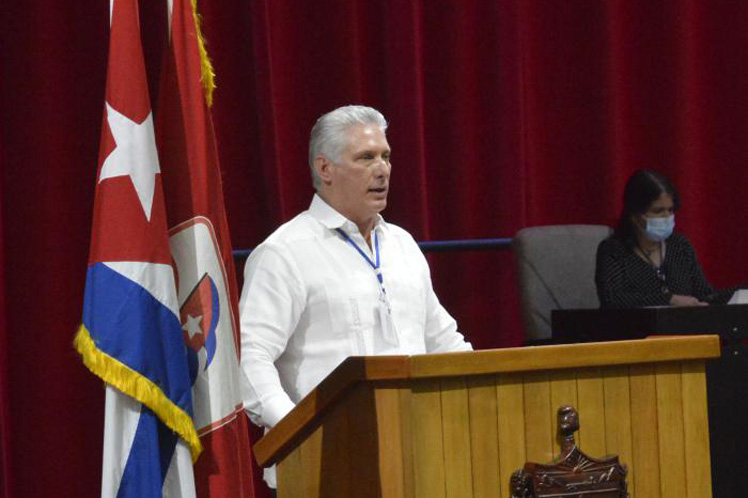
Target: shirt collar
330,218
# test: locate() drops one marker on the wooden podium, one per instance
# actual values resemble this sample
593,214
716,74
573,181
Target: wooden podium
459,424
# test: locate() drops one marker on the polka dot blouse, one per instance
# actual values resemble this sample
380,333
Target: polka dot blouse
624,280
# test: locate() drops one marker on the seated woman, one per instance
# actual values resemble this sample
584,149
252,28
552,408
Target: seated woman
644,263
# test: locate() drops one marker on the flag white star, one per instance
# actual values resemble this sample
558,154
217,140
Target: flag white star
134,156
192,325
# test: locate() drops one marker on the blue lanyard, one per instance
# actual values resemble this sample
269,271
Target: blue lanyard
374,265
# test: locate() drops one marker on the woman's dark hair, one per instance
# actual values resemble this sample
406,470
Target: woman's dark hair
643,188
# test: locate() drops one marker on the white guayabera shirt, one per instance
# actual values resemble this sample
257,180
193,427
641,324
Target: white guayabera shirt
311,299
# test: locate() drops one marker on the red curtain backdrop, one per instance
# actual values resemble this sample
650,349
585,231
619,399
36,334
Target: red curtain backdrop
504,114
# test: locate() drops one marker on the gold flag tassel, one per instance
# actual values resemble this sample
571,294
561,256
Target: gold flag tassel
207,75
139,387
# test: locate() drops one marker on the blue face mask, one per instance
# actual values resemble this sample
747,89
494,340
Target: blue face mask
659,229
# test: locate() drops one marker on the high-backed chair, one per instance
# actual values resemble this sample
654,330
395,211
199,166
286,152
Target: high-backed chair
555,270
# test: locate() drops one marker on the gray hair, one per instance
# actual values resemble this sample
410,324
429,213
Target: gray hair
328,133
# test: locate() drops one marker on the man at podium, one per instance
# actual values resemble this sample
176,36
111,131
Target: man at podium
337,280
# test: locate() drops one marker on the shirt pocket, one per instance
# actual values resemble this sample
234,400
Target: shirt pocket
408,301
349,311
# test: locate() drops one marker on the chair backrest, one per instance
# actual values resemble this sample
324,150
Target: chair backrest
555,270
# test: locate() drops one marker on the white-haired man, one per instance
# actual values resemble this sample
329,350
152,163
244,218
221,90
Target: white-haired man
336,281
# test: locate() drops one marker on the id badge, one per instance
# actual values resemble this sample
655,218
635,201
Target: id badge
389,330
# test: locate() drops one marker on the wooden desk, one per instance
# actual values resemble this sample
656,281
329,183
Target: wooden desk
727,377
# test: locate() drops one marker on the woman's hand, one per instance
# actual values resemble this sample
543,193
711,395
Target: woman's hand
678,300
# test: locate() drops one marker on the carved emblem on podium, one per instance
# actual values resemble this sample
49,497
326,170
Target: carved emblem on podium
572,474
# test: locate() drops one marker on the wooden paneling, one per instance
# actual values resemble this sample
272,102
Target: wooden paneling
362,459
671,430
511,418
696,431
591,408
456,433
290,470
391,442
406,427
618,414
335,476
484,437
310,460
645,462
563,392
428,448
539,428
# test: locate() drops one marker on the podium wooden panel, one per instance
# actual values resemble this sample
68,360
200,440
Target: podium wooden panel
726,377
459,424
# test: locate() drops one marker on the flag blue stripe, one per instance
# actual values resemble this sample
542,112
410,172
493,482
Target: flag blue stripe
148,462
127,323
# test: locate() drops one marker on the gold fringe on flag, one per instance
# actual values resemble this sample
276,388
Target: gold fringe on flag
207,75
139,387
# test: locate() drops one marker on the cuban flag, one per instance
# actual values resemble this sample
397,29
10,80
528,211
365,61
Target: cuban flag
132,334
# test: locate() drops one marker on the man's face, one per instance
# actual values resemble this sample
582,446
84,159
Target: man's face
357,184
